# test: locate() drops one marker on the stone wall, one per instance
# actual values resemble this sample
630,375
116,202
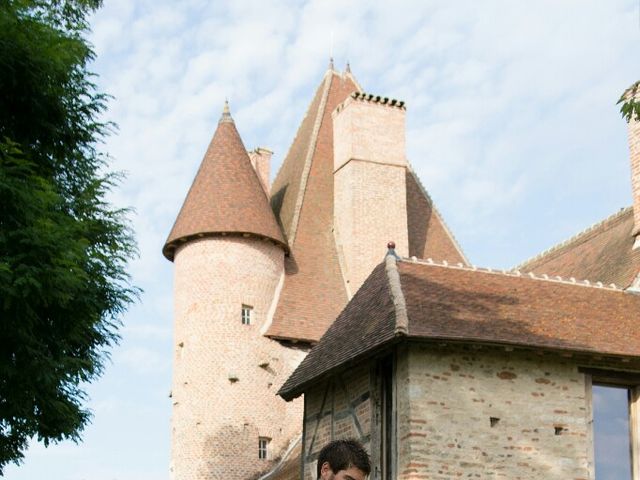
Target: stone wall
338,408
226,374
487,413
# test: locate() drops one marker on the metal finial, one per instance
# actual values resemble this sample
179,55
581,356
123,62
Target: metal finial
348,68
226,113
330,63
391,250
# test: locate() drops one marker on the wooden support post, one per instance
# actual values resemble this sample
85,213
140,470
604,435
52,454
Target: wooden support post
634,431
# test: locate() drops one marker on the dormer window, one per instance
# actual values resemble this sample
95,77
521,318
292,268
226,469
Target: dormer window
247,313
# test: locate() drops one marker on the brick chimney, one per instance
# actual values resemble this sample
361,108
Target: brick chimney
633,94
261,162
634,147
370,196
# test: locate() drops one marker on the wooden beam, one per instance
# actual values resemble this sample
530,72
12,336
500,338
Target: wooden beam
634,431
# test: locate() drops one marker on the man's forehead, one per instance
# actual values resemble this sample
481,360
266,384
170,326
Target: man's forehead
351,473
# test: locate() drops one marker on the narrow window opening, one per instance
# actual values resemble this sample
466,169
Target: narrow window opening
558,429
612,434
247,311
263,448
493,421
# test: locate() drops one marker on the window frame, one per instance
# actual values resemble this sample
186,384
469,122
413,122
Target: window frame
263,450
630,381
248,318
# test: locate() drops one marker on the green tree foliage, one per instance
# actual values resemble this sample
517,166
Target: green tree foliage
63,247
630,103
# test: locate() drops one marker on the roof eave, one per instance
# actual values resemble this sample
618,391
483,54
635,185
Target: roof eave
296,390
169,248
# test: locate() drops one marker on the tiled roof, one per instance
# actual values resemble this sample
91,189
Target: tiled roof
603,252
226,195
287,186
460,304
428,234
367,322
302,195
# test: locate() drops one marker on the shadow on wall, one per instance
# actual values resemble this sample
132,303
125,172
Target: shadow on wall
227,455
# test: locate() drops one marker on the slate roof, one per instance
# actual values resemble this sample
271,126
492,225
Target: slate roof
226,195
603,252
440,302
302,197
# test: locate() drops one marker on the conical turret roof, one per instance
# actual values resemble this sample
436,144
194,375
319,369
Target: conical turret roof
226,196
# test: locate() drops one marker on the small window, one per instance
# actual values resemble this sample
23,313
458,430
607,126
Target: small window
263,448
614,404
246,314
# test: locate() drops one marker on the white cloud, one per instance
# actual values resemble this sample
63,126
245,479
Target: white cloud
141,360
512,123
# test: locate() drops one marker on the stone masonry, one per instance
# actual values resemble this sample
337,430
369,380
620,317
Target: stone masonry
370,168
219,363
465,413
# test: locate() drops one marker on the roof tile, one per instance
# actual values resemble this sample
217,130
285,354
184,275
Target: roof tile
226,195
314,291
604,252
456,303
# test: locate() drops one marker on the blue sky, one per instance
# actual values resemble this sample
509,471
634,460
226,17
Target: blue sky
512,127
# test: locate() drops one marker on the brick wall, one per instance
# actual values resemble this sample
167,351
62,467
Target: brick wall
338,408
448,397
226,374
634,147
370,206
369,130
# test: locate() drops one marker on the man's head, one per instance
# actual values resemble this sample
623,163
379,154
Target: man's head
343,460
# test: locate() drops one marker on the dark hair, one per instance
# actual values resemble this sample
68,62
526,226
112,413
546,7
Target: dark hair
344,454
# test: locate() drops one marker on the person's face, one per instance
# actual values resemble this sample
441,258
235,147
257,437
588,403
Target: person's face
351,473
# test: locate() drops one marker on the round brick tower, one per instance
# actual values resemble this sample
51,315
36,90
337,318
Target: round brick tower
228,252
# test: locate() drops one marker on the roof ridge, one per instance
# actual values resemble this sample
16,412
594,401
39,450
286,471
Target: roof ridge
397,296
306,114
306,170
515,273
350,76
574,238
435,209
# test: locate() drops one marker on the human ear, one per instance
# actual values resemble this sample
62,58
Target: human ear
325,471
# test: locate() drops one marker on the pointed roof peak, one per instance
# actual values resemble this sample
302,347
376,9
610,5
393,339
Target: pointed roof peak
331,68
226,196
226,113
